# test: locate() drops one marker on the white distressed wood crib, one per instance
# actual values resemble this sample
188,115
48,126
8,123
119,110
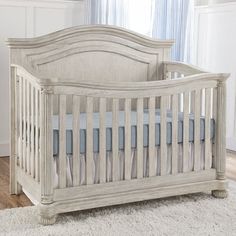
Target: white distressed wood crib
120,112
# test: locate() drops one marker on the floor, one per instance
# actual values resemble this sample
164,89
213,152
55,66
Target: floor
11,201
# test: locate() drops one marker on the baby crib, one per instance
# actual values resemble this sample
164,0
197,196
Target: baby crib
100,116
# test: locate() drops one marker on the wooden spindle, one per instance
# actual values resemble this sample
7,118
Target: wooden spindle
89,140
20,151
115,157
24,123
163,130
151,142
32,156
76,140
28,127
140,138
102,139
186,132
174,145
197,143
127,138
62,141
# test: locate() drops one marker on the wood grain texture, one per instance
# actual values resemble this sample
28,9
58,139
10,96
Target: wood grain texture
7,200
127,139
163,135
115,156
151,137
174,163
62,141
186,132
197,111
12,201
76,141
140,138
89,140
102,140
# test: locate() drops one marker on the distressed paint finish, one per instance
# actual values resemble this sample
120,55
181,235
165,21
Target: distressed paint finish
37,62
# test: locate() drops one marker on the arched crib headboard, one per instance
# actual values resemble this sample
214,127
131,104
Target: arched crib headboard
92,52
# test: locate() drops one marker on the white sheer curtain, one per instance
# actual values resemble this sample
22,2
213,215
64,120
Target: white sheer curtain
160,19
173,19
135,15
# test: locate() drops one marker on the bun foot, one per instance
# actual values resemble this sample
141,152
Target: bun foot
220,193
47,220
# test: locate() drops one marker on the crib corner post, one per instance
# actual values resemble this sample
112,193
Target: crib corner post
220,162
14,186
46,155
221,131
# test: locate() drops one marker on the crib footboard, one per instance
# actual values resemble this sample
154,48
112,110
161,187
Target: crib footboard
197,96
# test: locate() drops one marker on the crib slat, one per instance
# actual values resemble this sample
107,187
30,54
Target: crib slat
28,128
36,135
62,141
174,134
197,145
102,140
127,139
24,123
20,151
208,156
151,138
163,135
140,138
89,140
76,141
186,132
32,134
115,157
192,101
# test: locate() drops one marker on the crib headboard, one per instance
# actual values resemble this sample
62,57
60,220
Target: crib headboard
92,52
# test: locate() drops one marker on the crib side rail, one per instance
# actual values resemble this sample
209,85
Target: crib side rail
93,98
214,98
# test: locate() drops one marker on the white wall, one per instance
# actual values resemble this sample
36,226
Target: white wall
29,18
209,2
216,51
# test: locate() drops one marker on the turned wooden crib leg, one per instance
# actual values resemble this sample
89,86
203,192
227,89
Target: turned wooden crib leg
220,161
46,214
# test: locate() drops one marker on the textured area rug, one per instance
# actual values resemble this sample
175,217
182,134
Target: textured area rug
196,214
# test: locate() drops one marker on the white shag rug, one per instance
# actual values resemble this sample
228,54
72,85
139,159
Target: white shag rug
195,214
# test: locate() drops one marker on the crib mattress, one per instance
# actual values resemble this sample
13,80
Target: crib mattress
82,133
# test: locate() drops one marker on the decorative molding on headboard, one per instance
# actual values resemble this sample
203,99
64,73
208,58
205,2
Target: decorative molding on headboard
88,29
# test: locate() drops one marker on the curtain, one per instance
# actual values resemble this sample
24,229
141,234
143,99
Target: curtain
113,12
173,19
160,19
